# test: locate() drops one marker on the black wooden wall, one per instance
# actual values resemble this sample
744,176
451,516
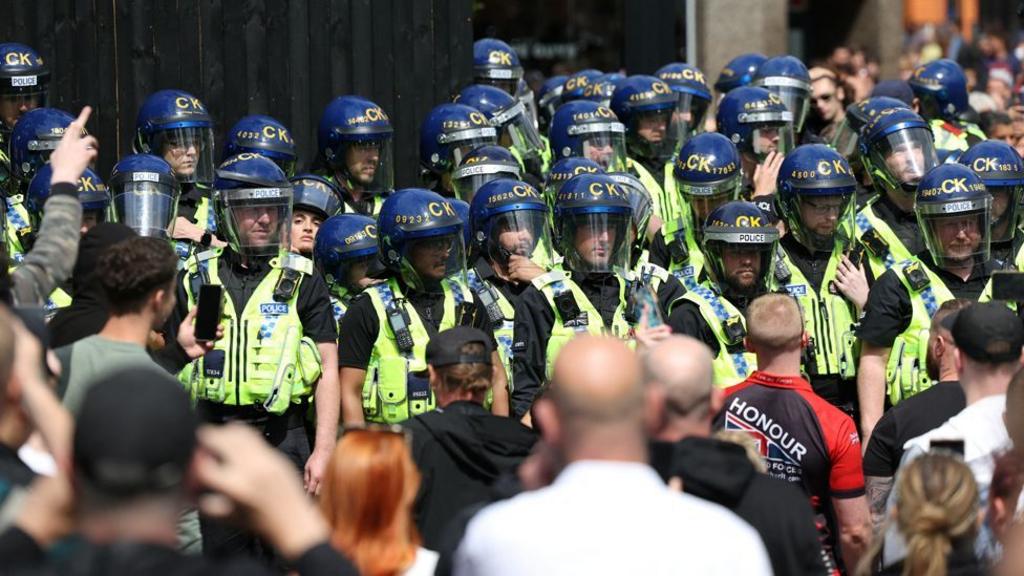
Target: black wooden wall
285,58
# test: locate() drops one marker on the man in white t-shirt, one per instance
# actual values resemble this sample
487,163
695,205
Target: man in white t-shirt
607,512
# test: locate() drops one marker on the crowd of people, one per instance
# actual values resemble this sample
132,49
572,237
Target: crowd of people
626,323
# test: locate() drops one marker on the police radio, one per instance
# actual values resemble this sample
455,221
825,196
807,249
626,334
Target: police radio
490,301
398,320
677,249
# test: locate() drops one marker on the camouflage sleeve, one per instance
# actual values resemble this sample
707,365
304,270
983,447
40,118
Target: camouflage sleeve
53,255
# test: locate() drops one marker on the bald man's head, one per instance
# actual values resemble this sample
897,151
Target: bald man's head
596,382
681,367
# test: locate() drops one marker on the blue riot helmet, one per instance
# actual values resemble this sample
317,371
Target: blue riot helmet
509,217
483,164
421,238
462,209
548,99
897,149
954,212
176,126
816,191
707,174
645,105
562,171
450,132
593,219
602,88
253,203
857,116
941,87
145,195
497,64
589,130
315,194
354,139
92,194
262,135
34,138
576,84
756,121
641,209
345,250
1002,171
739,72
509,117
788,78
693,98
739,245
24,83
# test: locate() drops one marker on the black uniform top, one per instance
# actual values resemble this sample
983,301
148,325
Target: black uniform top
535,319
189,199
888,310
313,303
360,325
510,290
903,224
909,419
687,319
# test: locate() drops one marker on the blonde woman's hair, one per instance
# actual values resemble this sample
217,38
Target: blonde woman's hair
749,445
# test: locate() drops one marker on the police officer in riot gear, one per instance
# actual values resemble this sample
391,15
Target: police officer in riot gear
482,165
646,106
577,84
278,328
940,89
706,175
144,194
816,198
495,63
447,135
787,77
511,241
602,88
33,139
740,245
857,116
515,128
562,171
345,252
1002,170
176,126
420,239
314,200
262,135
589,130
549,98
24,84
954,215
694,99
738,72
896,151
590,292
354,142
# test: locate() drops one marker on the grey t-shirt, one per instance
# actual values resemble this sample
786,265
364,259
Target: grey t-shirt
90,359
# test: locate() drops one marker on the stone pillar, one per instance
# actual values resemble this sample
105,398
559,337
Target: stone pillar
728,28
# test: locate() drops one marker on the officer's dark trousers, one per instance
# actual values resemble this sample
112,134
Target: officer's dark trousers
288,434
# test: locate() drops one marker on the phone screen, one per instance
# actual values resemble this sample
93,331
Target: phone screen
208,315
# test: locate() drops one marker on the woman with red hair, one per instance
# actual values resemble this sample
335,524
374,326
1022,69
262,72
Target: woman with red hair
369,489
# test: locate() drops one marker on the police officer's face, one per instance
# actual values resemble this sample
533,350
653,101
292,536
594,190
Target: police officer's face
594,244
361,159
430,257
821,215
766,139
905,162
742,266
14,105
90,218
959,237
600,150
182,156
652,126
257,224
517,240
304,228
357,274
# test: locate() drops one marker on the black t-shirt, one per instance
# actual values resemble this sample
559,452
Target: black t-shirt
510,290
903,224
907,420
313,303
888,310
360,325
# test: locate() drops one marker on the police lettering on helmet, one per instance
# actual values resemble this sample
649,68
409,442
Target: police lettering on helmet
707,174
815,191
1002,171
480,166
176,126
421,239
954,212
589,130
509,217
254,203
145,195
593,218
24,83
897,148
739,243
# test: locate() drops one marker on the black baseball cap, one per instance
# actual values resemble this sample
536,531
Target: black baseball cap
987,332
135,433
445,348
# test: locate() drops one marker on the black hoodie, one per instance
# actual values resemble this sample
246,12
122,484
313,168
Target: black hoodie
461,450
720,472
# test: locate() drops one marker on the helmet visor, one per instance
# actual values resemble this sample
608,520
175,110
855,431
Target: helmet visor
14,104
523,233
688,117
189,151
529,101
702,198
820,221
428,261
148,208
651,134
1005,211
257,220
468,179
957,233
797,100
905,156
845,139
461,148
369,164
519,131
596,242
773,137
608,149
509,85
